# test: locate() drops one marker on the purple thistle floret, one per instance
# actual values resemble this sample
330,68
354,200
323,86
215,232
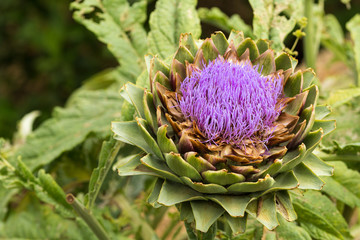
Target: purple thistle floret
232,102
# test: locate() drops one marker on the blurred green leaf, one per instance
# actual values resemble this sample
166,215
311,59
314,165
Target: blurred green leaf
270,21
119,26
289,230
333,39
89,111
168,21
343,150
354,28
38,221
346,131
342,96
333,28
6,196
344,185
319,216
44,187
146,232
216,17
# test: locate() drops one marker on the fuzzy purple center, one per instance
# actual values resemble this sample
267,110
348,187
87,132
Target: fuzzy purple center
231,102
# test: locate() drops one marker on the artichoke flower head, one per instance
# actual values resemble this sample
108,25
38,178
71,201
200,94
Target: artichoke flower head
227,128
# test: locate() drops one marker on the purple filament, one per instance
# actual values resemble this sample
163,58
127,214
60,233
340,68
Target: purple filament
231,102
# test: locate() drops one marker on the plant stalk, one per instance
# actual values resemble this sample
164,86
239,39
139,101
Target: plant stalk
194,234
90,220
310,57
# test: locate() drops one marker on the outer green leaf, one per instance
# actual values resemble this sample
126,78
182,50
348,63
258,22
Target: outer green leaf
309,77
168,21
307,178
184,55
293,84
354,28
186,212
270,168
129,132
327,125
166,144
130,165
283,61
181,167
205,214
319,167
220,42
203,187
136,96
150,111
236,37
251,45
293,158
259,185
237,224
155,149
283,181
321,111
264,210
319,216
284,205
173,193
266,62
222,177
159,168
234,205
263,45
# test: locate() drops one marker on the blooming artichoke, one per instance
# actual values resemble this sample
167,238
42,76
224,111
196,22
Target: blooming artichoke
228,127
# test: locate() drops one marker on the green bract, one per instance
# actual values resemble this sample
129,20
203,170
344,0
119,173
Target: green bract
206,184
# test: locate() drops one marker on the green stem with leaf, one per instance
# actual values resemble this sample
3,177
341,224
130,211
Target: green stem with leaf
85,214
198,235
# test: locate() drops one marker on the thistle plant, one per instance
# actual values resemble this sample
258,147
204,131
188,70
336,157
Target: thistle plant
228,128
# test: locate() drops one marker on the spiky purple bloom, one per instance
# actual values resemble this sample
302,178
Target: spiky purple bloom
231,102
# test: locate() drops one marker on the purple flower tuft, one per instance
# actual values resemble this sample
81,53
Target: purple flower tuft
231,102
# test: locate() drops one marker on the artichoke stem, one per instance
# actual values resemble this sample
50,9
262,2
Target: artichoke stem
89,219
194,234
